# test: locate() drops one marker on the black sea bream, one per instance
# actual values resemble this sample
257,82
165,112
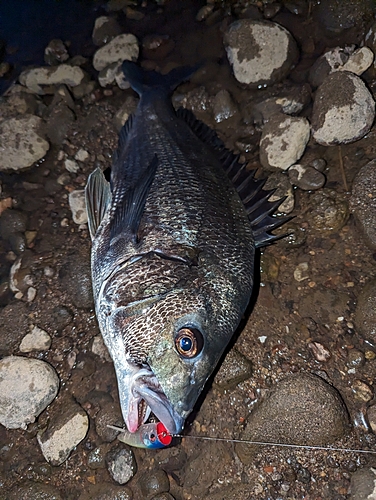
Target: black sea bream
174,235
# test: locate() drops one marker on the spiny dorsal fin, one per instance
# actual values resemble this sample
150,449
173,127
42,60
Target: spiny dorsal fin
124,132
98,199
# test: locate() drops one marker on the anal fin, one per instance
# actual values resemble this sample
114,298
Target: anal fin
98,199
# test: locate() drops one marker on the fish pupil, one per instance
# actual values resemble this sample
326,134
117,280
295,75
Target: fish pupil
186,344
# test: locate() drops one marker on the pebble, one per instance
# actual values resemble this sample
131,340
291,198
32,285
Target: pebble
355,359
121,464
67,427
55,52
81,155
283,141
105,29
329,212
260,52
224,106
34,79
365,312
36,340
363,484
342,117
152,483
71,165
362,391
78,206
235,369
108,74
363,202
96,458
319,351
301,272
106,491
301,409
109,414
283,189
123,47
306,177
21,142
27,387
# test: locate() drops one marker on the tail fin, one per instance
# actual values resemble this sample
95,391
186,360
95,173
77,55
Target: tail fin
142,81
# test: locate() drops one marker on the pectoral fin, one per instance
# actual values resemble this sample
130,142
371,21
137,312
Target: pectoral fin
98,199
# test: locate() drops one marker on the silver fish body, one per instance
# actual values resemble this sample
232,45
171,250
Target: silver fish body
173,249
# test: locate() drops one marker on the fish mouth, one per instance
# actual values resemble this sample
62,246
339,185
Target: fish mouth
140,394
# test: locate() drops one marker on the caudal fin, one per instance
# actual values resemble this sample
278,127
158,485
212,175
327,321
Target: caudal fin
143,81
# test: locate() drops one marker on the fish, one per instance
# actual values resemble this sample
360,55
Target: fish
174,231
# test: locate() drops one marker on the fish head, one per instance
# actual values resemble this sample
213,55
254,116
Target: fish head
163,354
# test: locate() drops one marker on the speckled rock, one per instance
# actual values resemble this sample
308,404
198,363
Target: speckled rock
153,482
36,340
121,48
30,490
363,202
260,52
78,206
67,427
342,117
27,387
329,211
306,177
363,484
37,78
283,141
105,29
365,313
21,142
235,369
121,464
301,409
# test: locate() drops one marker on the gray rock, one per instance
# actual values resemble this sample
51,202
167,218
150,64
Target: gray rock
96,458
78,206
329,211
35,78
342,117
27,387
260,52
306,177
302,409
224,106
105,29
121,464
152,483
283,141
107,75
30,490
36,340
122,47
363,484
365,313
235,369
67,427
109,415
106,491
55,52
21,142
363,202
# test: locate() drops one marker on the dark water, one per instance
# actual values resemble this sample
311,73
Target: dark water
27,26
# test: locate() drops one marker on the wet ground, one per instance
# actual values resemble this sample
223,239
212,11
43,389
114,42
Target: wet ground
297,314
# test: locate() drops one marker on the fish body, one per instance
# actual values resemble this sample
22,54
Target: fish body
173,246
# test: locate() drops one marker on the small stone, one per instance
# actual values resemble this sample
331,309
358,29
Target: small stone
96,458
71,165
27,387
36,340
152,483
55,52
306,177
301,272
78,206
105,29
283,141
329,211
108,415
362,391
355,359
107,75
81,155
123,47
235,369
223,106
31,294
121,464
37,78
320,352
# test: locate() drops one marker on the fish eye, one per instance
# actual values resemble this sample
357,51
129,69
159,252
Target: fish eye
189,342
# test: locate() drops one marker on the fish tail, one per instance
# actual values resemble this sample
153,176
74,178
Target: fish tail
145,81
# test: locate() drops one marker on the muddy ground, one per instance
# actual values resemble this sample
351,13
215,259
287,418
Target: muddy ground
291,314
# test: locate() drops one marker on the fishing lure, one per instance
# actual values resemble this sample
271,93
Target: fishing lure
151,436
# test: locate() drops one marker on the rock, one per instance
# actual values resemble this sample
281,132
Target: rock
12,222
235,369
306,177
260,52
21,142
107,75
105,29
110,414
363,202
75,278
320,352
106,491
283,141
365,312
30,490
362,391
123,47
363,484
55,52
342,117
36,340
302,409
152,483
329,211
96,458
27,387
71,165
355,359
67,427
78,206
121,464
283,188
81,155
223,106
35,78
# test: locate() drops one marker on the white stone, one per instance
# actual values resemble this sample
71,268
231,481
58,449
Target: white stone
283,141
71,165
81,155
55,75
27,387
21,143
78,206
356,61
121,48
36,340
